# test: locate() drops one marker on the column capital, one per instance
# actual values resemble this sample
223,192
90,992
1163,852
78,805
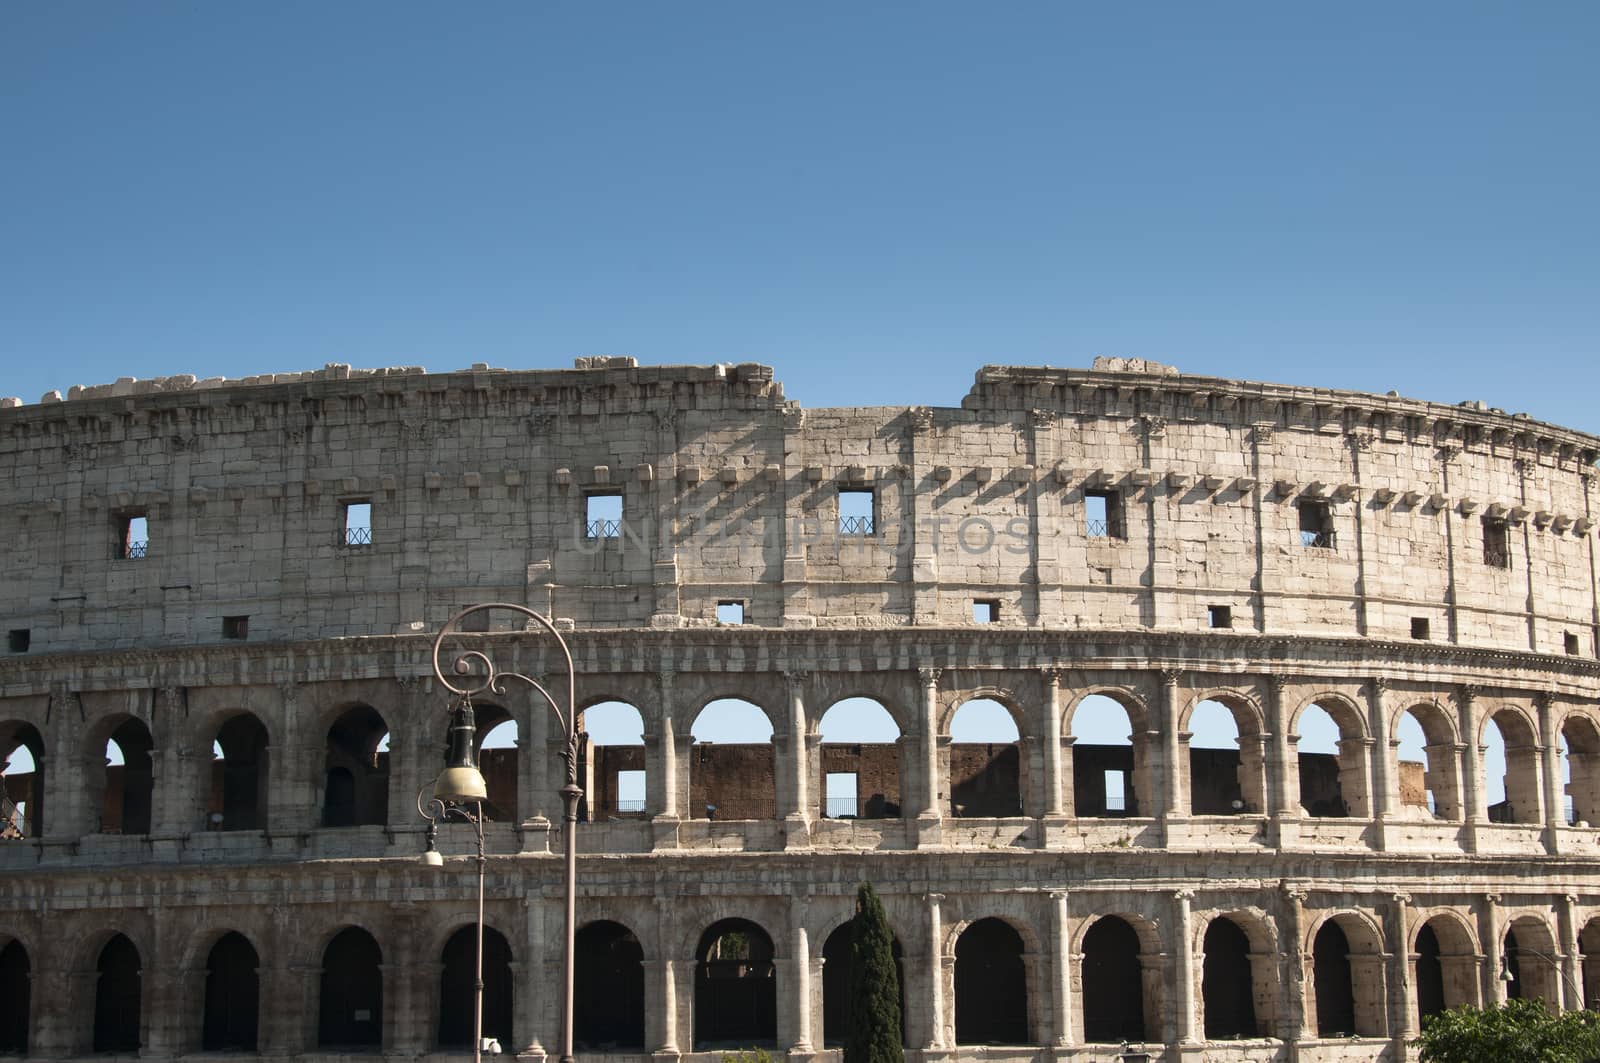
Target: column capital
796,678
1466,694
1060,896
1053,676
1379,684
1170,676
929,677
933,898
1400,899
1276,682
1183,895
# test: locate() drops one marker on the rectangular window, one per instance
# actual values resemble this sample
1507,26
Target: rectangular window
603,515
1221,616
630,791
841,794
985,610
20,639
730,612
857,508
1316,524
1572,643
358,524
133,536
235,627
1116,791
1102,514
1496,543
1419,627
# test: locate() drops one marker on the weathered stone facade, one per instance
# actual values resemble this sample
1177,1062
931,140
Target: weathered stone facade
1158,539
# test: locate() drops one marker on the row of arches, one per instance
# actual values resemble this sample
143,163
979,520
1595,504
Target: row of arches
864,767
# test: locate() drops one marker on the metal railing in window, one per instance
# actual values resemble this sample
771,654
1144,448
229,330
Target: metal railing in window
841,808
136,549
1497,557
1099,529
1322,540
604,529
855,525
358,536
629,806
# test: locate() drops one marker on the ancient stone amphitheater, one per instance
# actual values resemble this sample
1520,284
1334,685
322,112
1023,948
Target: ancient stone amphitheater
219,705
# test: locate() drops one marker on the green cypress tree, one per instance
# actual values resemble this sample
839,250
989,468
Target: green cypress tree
873,1033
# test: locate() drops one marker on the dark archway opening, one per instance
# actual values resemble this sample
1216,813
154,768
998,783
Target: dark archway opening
233,994
239,776
1226,985
608,1014
357,770
735,987
991,985
16,991
1430,974
836,985
117,994
22,775
130,786
1113,986
456,988
1336,1002
1513,965
350,1012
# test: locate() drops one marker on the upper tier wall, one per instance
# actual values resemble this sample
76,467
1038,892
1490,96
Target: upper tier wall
1275,509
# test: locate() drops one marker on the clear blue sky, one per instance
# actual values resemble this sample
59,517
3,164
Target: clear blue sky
875,198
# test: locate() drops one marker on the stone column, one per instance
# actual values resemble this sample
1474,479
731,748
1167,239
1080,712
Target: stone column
793,809
1555,809
1571,959
933,1037
1403,1017
538,996
662,1020
1294,984
930,797
1474,813
1494,990
1052,742
1183,966
799,990
1173,802
1282,804
1061,969
1385,750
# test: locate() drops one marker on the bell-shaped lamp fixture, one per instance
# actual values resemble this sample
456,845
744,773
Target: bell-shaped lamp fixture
461,782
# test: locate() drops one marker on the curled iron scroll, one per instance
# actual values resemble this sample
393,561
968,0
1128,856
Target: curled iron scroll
476,672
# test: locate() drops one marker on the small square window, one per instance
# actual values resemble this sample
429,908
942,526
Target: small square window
857,508
630,790
603,515
730,612
1496,543
1316,524
1571,640
1116,791
133,536
235,627
357,523
1221,616
985,610
20,639
1102,514
841,796
1419,627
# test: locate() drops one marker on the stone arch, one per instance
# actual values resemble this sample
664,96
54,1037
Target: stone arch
1112,959
1222,781
22,804
1581,731
1098,767
991,984
350,999
1589,961
953,700
858,775
888,688
1262,958
609,1005
16,989
1440,774
118,996
237,781
456,988
231,1002
987,778
1531,960
735,780
612,764
355,789
1227,982
1340,787
1445,962
1519,734
836,983
735,987
1348,984
123,795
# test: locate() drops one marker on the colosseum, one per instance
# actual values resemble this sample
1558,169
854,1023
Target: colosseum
1288,723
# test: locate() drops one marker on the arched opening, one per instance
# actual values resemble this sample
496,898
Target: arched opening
16,989
456,988
1427,764
1531,963
735,988
612,766
1430,974
129,779
350,1004
732,750
1227,982
1330,753
233,994
1336,1001
991,985
497,760
986,769
1581,768
608,1014
1589,963
1225,762
238,799
21,781
1511,769
356,790
1106,764
117,997
836,985
1113,983
860,762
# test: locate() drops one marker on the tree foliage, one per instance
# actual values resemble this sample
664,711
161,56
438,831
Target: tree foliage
873,1033
1522,1030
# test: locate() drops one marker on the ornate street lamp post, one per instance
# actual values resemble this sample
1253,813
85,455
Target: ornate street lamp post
1574,992
460,788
